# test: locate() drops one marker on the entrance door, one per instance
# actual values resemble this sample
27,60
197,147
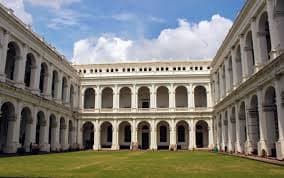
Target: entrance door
145,141
199,140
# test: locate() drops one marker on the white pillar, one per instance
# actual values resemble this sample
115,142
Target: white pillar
216,87
115,98
210,135
209,97
98,99
36,76
80,133
222,92
280,112
20,66
190,97
262,145
227,76
238,147
4,40
97,135
244,58
190,127
67,90
30,122
153,97
256,45
134,98
153,145
59,88
115,145
234,67
173,137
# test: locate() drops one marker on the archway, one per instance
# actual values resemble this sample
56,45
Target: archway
182,133
250,53
144,97
71,99
124,135
62,132
242,125
89,98
25,128
88,135
70,133
201,129
163,135
55,81
43,78
144,137
29,70
271,120
12,53
265,39
125,98
40,128
107,98
181,97
106,135
239,67
7,115
64,90
52,132
162,97
200,97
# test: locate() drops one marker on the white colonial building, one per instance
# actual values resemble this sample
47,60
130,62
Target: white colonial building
234,103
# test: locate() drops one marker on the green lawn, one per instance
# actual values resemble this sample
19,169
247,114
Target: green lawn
136,164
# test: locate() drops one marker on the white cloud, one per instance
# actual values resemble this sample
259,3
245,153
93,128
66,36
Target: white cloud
187,41
19,10
57,4
63,18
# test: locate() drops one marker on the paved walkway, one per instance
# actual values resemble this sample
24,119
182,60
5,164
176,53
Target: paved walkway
266,160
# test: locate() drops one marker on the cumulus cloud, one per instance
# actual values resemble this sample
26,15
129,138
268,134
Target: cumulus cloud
187,41
19,10
57,4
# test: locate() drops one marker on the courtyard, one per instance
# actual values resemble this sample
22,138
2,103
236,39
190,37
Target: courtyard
136,164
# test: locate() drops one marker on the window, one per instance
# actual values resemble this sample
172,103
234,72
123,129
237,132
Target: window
145,104
167,69
157,69
127,134
133,69
91,71
179,68
162,69
175,69
140,69
123,70
85,71
163,134
183,68
145,69
128,70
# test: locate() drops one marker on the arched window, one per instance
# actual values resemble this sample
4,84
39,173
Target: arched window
64,89
89,98
54,86
71,99
144,97
162,97
250,53
239,64
107,98
181,133
109,133
12,53
200,97
163,133
127,133
43,78
30,63
125,98
181,97
265,39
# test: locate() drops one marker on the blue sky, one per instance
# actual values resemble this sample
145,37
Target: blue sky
121,25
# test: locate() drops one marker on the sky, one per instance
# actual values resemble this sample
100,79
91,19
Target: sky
104,31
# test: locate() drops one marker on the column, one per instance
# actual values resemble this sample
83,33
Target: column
59,88
56,135
29,132
173,142
36,76
248,143
153,145
63,128
67,88
193,133
115,98
97,135
82,96
230,140
20,66
244,57
256,45
79,135
238,147
276,27
53,144
280,112
98,99
4,40
262,145
153,97
134,131
190,141
44,130
115,145
134,98
227,75
209,96
216,88
172,102
48,82
222,92
210,134
190,97
234,67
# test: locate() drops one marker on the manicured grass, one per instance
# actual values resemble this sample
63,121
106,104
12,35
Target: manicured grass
136,164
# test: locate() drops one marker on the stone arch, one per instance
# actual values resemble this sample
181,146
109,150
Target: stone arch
242,125
239,67
125,135
182,135
181,97
264,36
25,128
162,97
125,97
271,120
40,128
55,81
62,132
7,115
163,135
250,53
13,54
107,98
200,97
202,137
89,98
106,129
144,135
30,71
64,89
52,132
43,78
143,97
88,135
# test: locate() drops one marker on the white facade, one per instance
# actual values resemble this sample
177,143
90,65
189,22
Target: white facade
234,102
